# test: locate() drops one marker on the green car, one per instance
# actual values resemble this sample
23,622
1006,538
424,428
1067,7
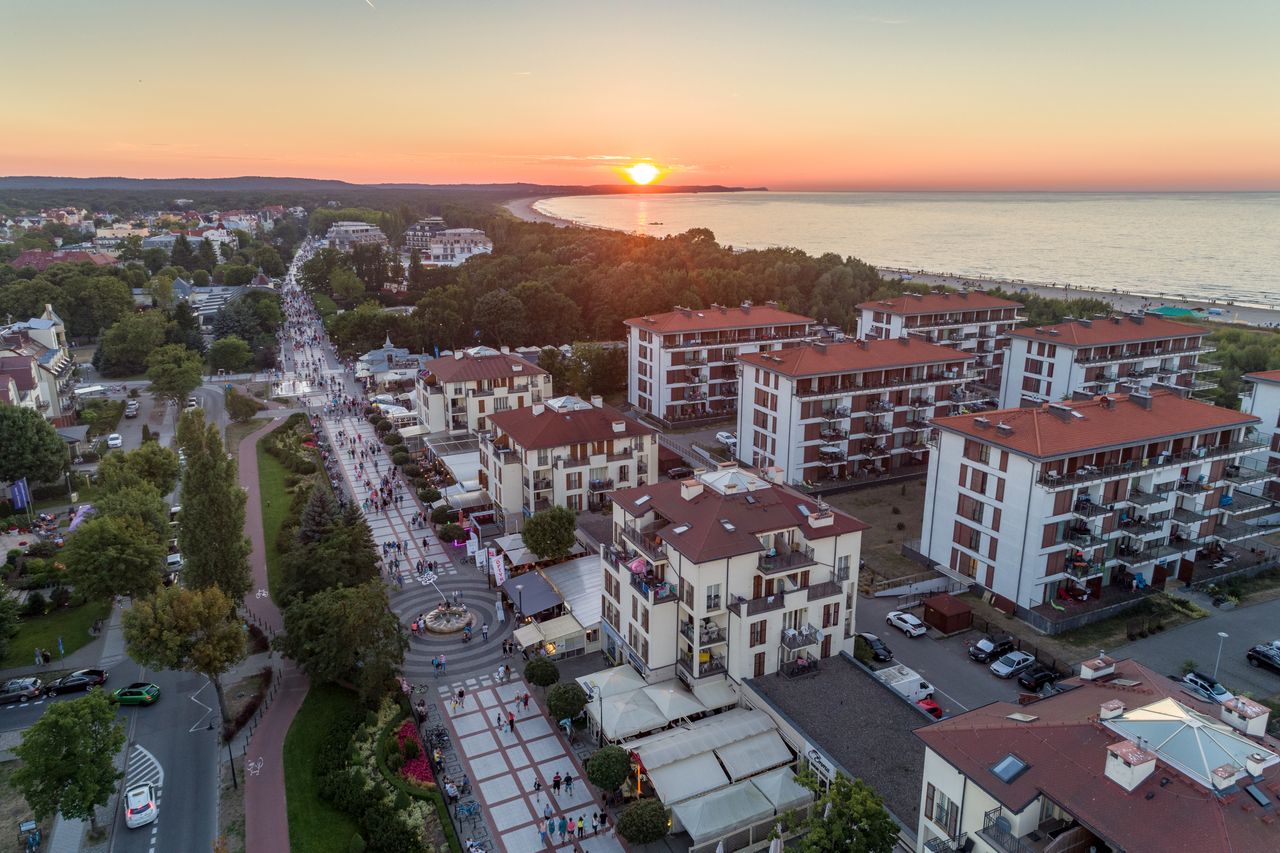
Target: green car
138,693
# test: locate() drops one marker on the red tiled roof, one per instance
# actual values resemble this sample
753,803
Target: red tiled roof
472,368
1065,750
851,356
1264,376
1117,330
1040,433
558,429
934,303
717,318
19,367
42,258
771,509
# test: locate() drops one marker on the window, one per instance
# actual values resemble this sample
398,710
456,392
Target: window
757,632
1009,768
939,809
758,669
842,567
644,619
830,615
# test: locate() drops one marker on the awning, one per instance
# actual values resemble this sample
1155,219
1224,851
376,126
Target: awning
674,700
535,594
512,545
705,735
530,636
688,778
753,755
720,812
581,583
782,790
627,715
716,694
560,627
611,681
413,431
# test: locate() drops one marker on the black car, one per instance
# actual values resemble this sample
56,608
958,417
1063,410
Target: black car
1037,677
81,679
991,648
1265,655
879,651
680,473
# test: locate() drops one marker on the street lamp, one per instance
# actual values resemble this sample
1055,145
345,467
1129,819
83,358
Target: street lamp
231,759
520,599
1222,635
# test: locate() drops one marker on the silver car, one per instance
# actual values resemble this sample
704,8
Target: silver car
1012,664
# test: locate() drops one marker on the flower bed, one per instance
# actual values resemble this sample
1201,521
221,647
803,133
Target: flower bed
417,769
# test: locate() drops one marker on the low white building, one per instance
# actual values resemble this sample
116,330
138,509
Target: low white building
345,236
1260,396
450,247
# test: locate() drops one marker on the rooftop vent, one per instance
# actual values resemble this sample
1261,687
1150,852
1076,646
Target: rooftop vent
1004,429
727,525
1225,776
1095,668
1129,765
684,528
516,368
1088,324
597,400
1116,320
1041,331
1141,398
1107,401
1063,412
619,426
690,489
1241,712
1256,762
458,355
1054,332
1111,709
1138,317
821,518
820,347
642,500
981,422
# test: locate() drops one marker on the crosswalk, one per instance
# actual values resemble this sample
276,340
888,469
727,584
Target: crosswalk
143,767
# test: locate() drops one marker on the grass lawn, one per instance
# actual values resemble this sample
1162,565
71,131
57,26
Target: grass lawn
237,432
876,505
14,810
275,506
70,623
314,825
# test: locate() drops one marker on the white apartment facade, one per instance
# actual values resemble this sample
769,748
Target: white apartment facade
43,341
836,411
682,365
562,452
1260,397
727,575
419,234
1103,355
973,322
345,236
1099,498
457,393
449,247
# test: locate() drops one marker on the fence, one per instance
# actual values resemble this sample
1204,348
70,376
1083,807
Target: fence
248,728
1060,666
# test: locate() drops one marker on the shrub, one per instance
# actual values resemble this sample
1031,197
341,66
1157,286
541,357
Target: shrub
411,749
12,557
35,605
862,651
60,597
392,439
643,822
1188,665
429,495
608,768
541,671
566,700
443,515
451,533
43,548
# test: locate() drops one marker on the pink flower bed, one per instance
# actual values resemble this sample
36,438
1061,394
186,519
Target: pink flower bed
418,770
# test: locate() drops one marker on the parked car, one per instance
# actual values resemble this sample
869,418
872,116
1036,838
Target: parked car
906,623
1037,677
173,563
1206,688
81,679
138,693
728,439
680,472
192,403
115,440
1012,664
930,707
131,409
21,690
991,647
879,651
1265,655
140,806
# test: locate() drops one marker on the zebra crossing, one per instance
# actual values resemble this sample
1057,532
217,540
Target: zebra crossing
143,767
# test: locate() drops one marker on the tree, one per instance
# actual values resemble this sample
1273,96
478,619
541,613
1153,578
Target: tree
566,700
194,630
451,532
541,671
206,258
68,758
319,517
269,260
141,502
114,555
231,354
32,447
174,372
8,618
646,821
201,278
155,259
150,463
182,255
499,317
847,816
346,287
211,536
608,768
129,248
349,635
125,346
241,407
549,532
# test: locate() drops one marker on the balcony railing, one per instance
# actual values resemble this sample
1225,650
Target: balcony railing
801,638
645,542
1160,352
826,589
1240,502
1092,473
1081,538
657,591
1089,509
541,484
879,406
863,388
713,665
1234,531
877,428
785,559
706,634
1138,497
1153,554
1243,475
1141,528
600,485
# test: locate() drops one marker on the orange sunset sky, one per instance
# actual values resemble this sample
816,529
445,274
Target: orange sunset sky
1142,94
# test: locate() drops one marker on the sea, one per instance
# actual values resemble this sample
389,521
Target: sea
1220,246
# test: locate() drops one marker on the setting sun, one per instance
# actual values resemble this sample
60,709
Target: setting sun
643,173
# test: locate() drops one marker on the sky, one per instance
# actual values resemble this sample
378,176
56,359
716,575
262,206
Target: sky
799,95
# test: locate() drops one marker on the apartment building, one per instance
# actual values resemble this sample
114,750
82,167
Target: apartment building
445,247
35,351
849,410
1103,355
457,393
1260,396
1095,501
682,364
562,452
1120,760
345,236
973,322
727,574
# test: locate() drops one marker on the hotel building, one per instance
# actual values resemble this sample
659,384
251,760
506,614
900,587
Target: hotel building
1096,500
457,393
1103,355
848,410
345,236
971,321
563,452
682,364
1260,396
727,574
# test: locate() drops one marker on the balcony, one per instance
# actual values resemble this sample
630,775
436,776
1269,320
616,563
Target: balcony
1139,527
1202,385
1088,509
879,406
1084,570
656,591
708,664
969,396
600,485
846,388
1204,367
785,559
1182,515
541,484
1053,480
916,424
879,451
876,427
647,543
1141,498
1143,355
1238,503
920,403
706,634
1243,475
1154,554
996,831
1235,531
801,638
835,414
826,589
1081,538
743,607
540,504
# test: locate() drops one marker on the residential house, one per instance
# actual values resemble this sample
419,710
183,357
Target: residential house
457,393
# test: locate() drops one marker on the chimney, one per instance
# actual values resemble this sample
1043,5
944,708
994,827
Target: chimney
1141,398
1246,715
1081,396
820,348
458,355
1106,401
1111,709
517,368
1004,429
504,350
1256,762
1061,411
619,426
774,474
981,422
1096,668
1224,777
1129,765
690,489
538,408
1116,320
1138,317
597,400
825,518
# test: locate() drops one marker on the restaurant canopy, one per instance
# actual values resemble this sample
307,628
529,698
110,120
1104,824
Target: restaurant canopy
611,681
687,778
782,790
581,583
535,594
627,715
745,758
721,812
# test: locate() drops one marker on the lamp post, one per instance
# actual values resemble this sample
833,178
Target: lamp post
1222,635
230,760
520,599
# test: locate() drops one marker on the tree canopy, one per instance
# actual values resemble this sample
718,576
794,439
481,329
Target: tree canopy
174,372
32,447
849,816
646,821
549,532
149,463
608,767
114,555
211,536
231,354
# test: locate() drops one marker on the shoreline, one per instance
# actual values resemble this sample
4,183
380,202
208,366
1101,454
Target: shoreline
1250,314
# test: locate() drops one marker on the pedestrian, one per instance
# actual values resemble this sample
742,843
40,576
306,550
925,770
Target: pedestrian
582,825
551,827
573,825
462,697
595,824
568,783
523,699
39,657
563,827
556,781
546,810
500,722
537,785
444,667
484,631
542,832
511,721
604,821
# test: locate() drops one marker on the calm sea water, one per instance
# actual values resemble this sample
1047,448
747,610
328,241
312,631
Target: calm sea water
1198,245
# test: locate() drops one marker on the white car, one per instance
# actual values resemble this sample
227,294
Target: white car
728,439
906,623
140,806
115,440
192,403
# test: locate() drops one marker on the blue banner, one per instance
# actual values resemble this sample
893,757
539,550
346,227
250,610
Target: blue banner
19,494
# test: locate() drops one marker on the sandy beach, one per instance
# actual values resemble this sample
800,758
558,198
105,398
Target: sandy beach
1125,301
